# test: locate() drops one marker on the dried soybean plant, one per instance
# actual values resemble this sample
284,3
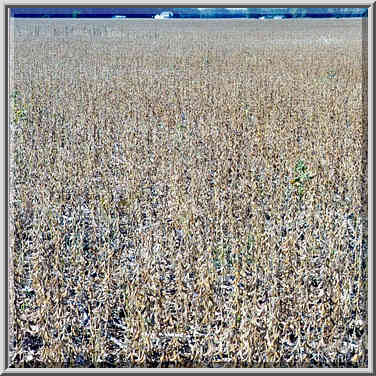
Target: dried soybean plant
188,194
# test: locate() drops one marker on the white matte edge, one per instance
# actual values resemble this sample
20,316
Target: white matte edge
370,191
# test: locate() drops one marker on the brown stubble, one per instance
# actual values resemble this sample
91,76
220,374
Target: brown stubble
155,222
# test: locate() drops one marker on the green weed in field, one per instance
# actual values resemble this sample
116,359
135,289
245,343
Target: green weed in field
19,111
303,176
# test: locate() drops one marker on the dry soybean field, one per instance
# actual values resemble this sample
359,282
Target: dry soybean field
188,193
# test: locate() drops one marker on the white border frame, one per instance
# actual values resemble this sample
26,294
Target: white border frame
193,4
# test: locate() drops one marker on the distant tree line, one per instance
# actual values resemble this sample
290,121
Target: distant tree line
188,12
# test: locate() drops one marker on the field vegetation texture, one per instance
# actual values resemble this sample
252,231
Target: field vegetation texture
188,193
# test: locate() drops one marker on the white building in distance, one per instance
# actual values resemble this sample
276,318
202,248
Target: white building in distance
164,16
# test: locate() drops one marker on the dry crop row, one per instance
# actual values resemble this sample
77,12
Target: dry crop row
188,194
